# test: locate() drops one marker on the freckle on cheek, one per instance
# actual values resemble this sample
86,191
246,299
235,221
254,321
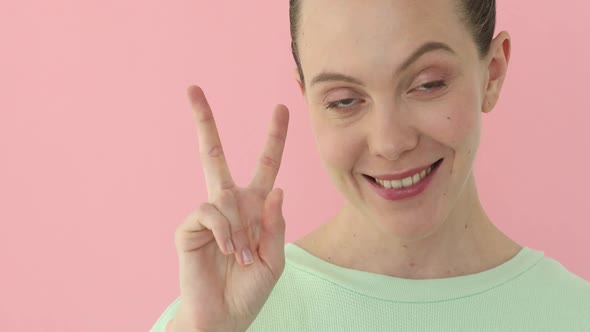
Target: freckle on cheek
448,117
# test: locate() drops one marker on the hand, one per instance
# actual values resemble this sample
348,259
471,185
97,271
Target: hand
231,248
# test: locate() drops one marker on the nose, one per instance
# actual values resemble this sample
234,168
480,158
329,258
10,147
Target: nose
390,133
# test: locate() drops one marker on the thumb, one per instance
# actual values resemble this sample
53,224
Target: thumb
272,235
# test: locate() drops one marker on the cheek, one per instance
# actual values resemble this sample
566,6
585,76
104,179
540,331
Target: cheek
339,147
459,123
463,129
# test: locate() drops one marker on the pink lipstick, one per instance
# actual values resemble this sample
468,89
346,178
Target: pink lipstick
395,190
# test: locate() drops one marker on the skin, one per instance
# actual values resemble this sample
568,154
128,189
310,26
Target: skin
393,122
221,289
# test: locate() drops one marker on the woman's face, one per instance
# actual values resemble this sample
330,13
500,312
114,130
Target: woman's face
378,107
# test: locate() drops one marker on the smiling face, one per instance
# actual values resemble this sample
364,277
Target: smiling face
391,86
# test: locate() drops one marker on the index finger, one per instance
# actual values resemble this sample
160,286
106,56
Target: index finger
213,160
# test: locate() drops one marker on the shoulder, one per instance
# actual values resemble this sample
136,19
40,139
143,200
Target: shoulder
552,284
553,273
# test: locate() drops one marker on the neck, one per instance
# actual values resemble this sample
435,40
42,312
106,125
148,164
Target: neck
466,242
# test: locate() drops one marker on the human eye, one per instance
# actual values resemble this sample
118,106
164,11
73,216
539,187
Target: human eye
432,86
342,104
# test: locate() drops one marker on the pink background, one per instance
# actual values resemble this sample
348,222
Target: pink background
98,148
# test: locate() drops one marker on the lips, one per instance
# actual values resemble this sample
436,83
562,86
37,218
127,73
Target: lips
404,192
405,174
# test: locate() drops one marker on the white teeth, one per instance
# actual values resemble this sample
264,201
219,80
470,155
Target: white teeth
407,182
404,183
416,178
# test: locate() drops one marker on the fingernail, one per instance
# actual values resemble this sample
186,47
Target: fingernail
229,246
247,256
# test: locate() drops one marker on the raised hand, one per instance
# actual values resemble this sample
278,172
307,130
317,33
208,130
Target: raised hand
231,248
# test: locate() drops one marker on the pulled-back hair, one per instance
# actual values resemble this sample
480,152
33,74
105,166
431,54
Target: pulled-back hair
478,15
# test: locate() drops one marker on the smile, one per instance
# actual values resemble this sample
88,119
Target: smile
408,181
407,187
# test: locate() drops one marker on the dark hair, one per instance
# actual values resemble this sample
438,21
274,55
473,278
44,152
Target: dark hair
478,15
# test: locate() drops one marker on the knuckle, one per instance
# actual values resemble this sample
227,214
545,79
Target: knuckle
215,151
190,218
240,234
270,162
220,228
225,197
226,194
222,198
202,209
226,185
193,220
203,116
218,225
179,235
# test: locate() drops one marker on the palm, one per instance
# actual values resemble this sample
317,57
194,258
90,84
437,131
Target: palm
217,289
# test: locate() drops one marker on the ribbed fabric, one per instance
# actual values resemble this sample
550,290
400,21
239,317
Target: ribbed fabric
529,292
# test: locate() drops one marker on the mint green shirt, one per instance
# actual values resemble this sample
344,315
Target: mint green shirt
530,292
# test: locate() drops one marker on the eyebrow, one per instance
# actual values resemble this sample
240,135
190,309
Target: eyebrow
425,48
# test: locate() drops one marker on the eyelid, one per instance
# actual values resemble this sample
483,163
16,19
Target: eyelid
436,84
340,93
430,76
433,71
333,104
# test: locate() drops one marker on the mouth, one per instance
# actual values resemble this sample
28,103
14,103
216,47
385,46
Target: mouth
409,181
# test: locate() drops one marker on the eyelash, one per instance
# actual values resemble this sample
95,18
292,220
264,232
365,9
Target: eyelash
436,84
433,86
334,104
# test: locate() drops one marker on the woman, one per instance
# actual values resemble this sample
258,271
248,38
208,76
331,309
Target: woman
396,90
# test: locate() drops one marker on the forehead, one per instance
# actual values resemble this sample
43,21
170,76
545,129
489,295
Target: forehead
376,18
338,33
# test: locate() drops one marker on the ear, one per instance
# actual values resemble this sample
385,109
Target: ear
298,79
497,59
